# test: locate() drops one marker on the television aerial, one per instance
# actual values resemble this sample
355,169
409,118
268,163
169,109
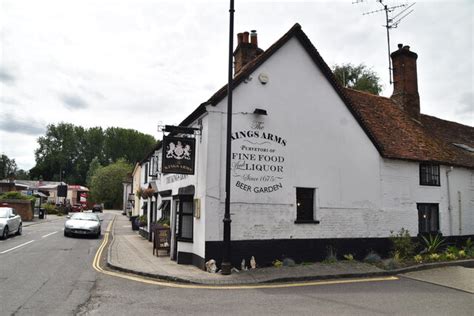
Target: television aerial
391,21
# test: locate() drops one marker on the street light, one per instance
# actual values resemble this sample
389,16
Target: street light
226,266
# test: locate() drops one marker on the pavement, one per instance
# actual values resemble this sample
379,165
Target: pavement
36,220
130,252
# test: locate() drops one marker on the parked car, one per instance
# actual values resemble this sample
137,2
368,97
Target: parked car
10,222
97,208
77,208
84,224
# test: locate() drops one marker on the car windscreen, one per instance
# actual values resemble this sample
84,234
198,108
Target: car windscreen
4,213
85,217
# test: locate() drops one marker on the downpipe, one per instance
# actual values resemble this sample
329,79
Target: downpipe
448,171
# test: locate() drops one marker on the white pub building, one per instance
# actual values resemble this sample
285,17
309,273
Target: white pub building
314,164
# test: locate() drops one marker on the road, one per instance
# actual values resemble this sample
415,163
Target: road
49,274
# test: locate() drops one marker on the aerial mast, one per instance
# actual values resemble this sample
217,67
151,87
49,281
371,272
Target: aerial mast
391,21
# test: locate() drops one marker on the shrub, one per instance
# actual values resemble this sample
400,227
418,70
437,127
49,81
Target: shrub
288,262
391,264
372,257
331,256
462,254
418,259
277,263
142,221
469,247
50,208
434,257
349,257
451,256
432,244
402,244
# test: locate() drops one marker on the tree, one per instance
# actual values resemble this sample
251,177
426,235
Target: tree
8,167
93,167
358,78
66,151
106,184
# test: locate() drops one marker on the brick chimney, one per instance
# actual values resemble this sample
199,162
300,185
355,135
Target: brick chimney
246,50
405,82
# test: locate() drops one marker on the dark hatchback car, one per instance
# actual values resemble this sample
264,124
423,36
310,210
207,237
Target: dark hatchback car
97,208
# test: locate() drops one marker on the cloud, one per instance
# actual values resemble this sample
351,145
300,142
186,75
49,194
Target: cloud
73,102
466,100
11,124
7,100
6,76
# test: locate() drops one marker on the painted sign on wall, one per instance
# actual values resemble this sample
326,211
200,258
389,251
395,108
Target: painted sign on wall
258,160
178,155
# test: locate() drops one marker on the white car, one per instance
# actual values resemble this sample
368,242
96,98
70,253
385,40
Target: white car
87,224
10,222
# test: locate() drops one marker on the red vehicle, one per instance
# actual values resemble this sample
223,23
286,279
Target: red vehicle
77,208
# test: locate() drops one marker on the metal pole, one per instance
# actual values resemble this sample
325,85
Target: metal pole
388,45
226,265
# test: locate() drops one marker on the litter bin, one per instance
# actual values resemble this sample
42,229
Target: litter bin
41,213
133,219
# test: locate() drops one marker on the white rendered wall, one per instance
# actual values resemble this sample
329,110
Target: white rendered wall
402,191
174,182
324,147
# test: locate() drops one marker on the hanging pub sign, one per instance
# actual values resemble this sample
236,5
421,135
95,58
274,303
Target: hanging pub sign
178,155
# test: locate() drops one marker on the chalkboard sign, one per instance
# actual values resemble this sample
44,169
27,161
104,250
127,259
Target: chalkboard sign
161,239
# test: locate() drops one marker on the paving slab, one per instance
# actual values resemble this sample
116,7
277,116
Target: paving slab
460,278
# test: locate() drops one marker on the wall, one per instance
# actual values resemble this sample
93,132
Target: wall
401,192
315,142
22,208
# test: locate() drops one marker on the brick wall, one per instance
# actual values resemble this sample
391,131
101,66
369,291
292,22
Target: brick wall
22,207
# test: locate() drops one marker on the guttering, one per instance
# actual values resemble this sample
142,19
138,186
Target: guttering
449,199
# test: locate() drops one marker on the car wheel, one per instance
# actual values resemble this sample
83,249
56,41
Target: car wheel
66,234
20,229
5,233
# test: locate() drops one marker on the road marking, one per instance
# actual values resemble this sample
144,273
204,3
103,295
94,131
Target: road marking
49,234
24,244
98,255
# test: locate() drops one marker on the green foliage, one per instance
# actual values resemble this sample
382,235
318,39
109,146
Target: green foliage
433,243
331,256
277,263
469,247
66,151
93,167
358,78
8,167
349,257
402,244
372,257
50,208
106,184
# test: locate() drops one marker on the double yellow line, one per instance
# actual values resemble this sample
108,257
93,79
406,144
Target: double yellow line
98,255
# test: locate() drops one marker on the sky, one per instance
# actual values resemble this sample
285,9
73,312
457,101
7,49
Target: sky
143,63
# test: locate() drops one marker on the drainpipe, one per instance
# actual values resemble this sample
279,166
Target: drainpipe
449,200
460,213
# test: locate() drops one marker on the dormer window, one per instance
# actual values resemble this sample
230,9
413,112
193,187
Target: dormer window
429,174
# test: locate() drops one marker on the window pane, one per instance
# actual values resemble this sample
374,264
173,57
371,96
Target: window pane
187,227
304,203
187,208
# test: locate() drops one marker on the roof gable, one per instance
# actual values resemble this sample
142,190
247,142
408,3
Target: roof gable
390,129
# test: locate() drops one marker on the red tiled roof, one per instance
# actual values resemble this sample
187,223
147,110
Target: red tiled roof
401,137
391,130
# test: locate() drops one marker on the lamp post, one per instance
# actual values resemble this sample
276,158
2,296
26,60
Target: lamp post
226,265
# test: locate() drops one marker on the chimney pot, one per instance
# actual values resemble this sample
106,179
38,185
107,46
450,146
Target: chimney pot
246,37
240,37
400,46
406,47
253,37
